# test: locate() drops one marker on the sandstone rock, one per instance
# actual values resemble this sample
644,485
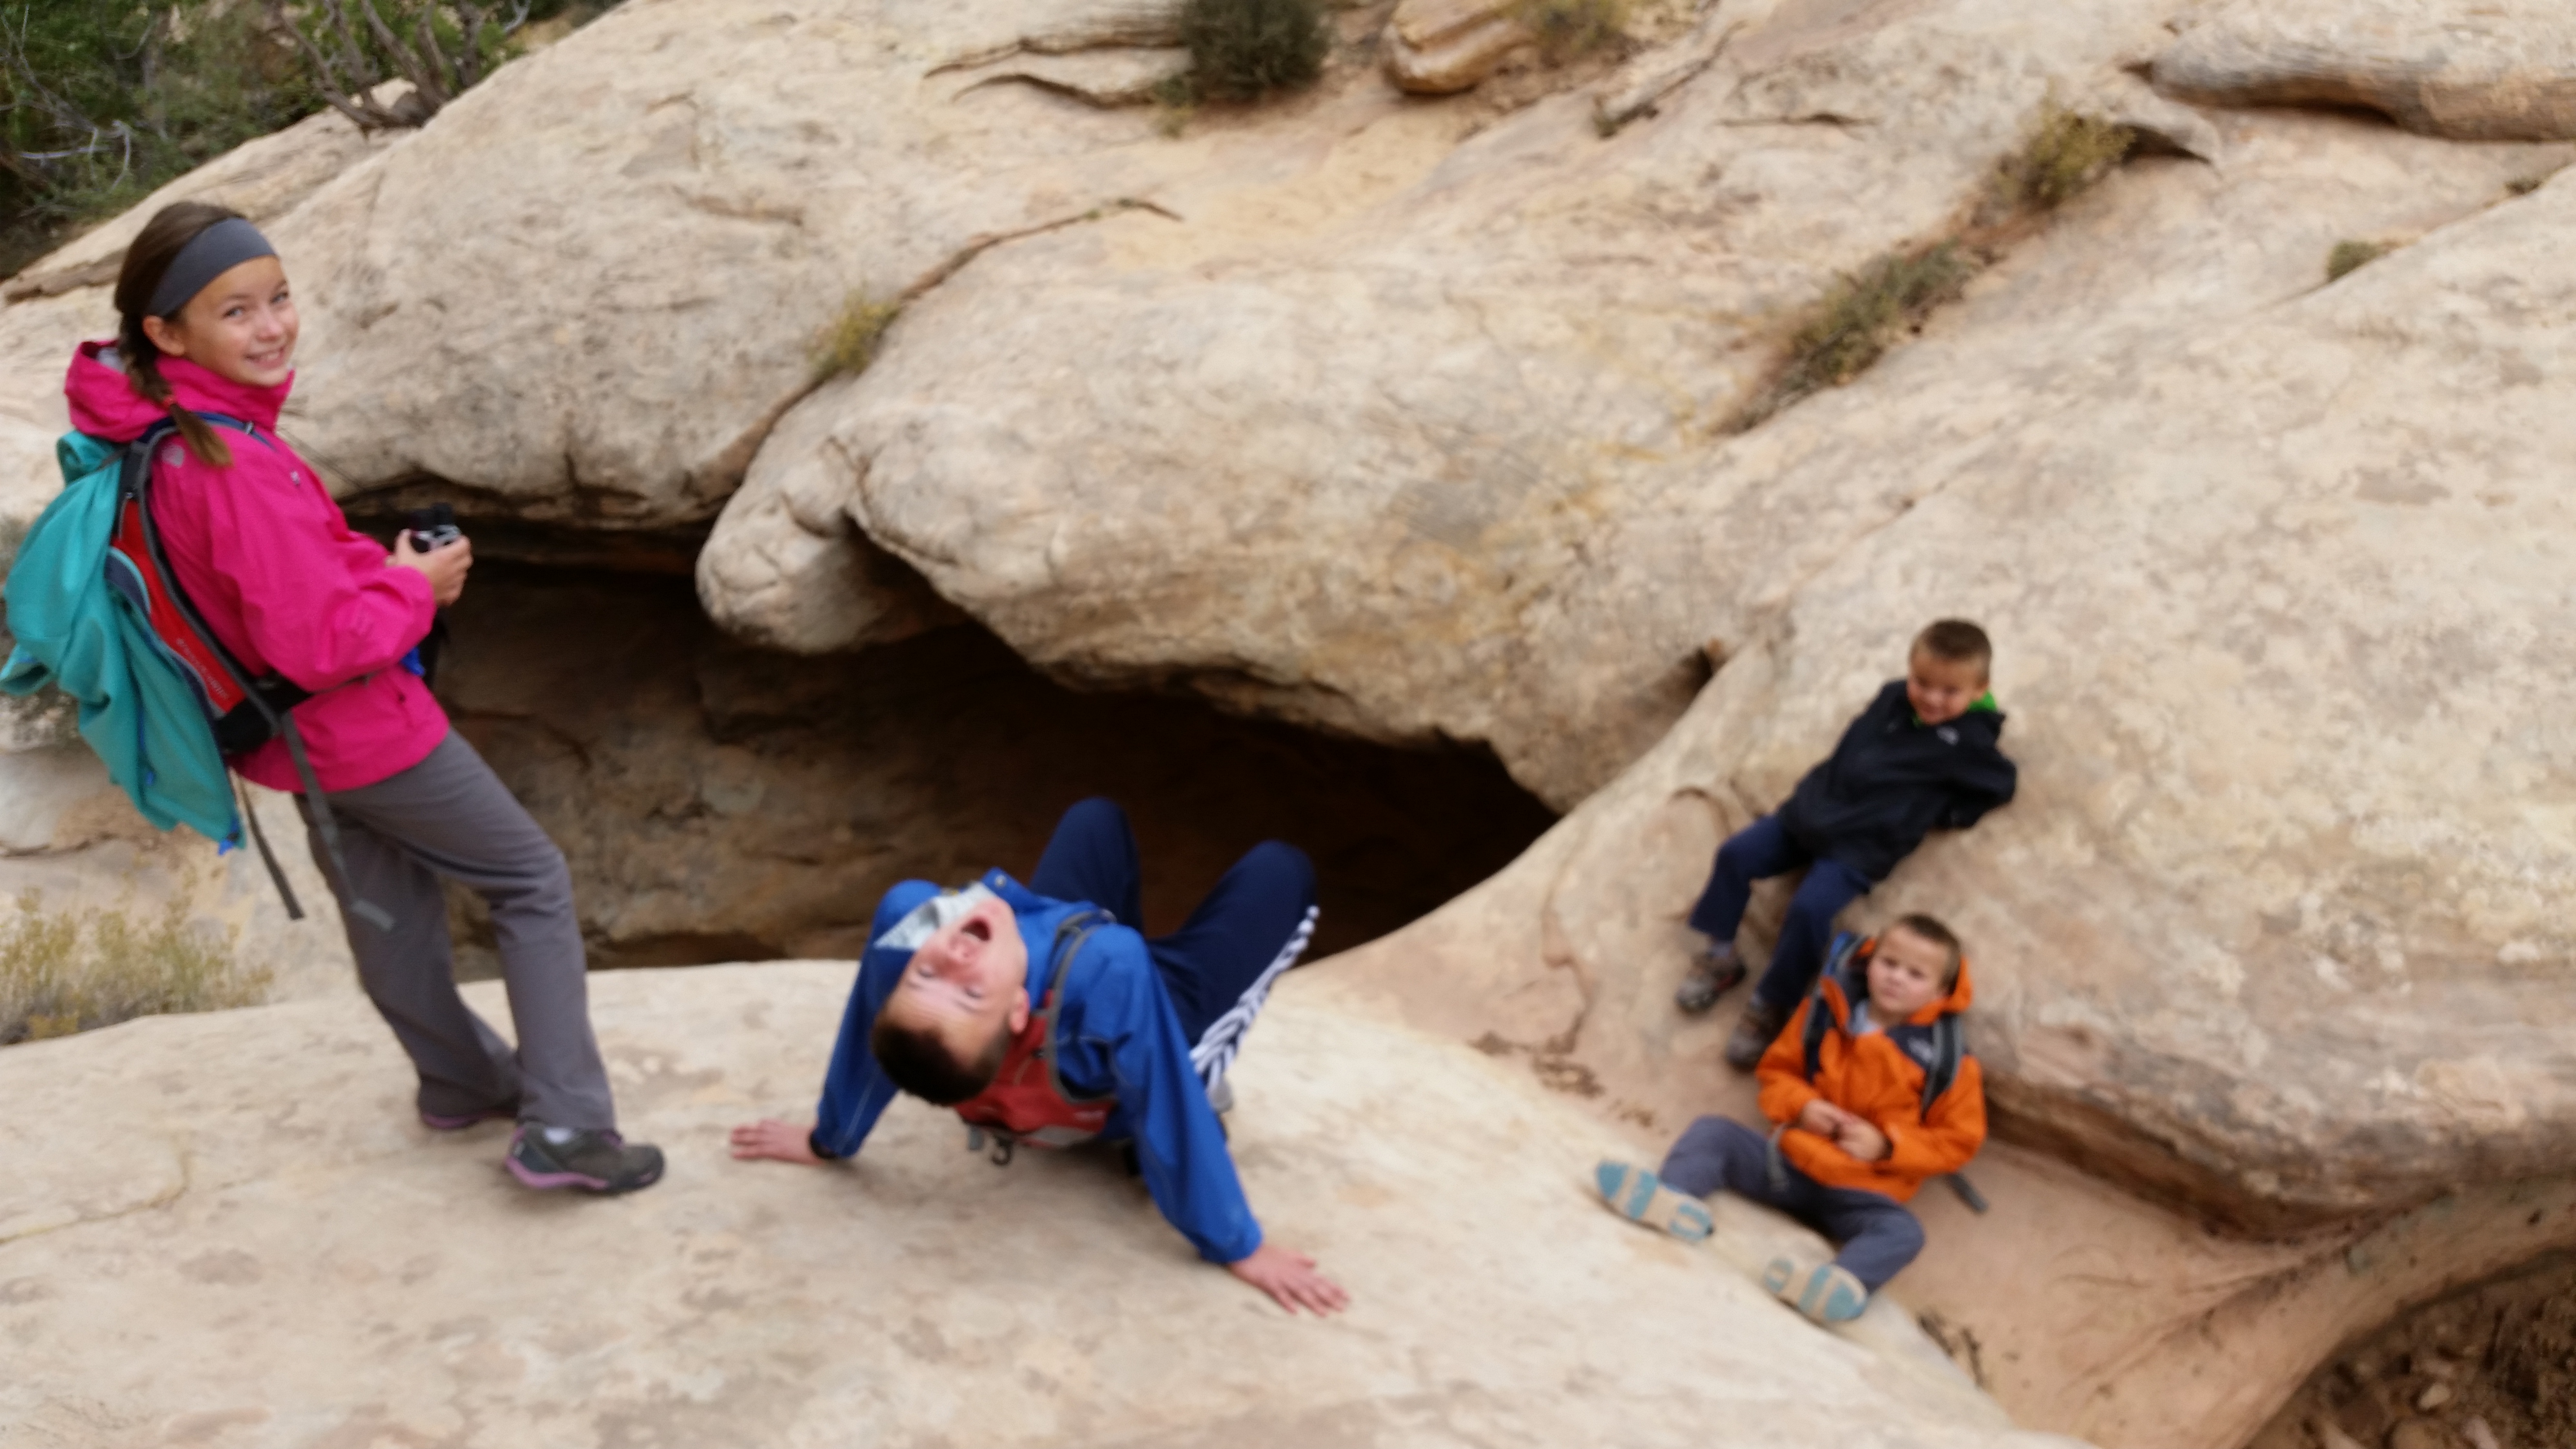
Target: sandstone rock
2493,70
229,1230
1436,47
2242,942
1318,488
599,329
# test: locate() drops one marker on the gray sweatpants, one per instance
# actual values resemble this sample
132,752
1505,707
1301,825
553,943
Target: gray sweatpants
451,816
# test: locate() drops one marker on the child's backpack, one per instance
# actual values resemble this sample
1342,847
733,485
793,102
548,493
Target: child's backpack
99,614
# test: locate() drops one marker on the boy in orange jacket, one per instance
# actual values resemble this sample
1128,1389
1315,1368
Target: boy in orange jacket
1868,1099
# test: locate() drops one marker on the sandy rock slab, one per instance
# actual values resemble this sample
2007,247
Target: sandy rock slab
292,1261
2472,70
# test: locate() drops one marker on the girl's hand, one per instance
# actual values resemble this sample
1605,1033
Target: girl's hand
445,569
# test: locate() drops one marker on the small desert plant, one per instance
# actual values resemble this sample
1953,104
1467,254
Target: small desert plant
1571,29
1242,50
851,344
2350,256
2062,154
62,972
1857,321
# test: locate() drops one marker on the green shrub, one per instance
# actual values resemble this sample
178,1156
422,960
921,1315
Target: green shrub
2351,256
851,344
1859,319
67,972
1570,29
1243,50
2062,154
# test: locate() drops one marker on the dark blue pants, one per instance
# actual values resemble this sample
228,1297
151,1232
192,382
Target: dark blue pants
1757,852
1875,1233
1219,966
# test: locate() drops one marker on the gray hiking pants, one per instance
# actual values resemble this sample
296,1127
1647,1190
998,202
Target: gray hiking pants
451,816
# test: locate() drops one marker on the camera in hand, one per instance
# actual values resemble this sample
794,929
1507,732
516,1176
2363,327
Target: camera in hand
432,528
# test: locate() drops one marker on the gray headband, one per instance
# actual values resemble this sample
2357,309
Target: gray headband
208,255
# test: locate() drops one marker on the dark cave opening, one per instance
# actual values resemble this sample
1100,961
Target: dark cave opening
719,802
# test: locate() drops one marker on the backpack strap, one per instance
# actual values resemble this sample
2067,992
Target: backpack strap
1948,1047
1069,936
138,481
1820,1018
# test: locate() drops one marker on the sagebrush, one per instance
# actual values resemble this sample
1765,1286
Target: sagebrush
1243,50
1855,324
68,971
1570,29
2062,154
851,343
2351,256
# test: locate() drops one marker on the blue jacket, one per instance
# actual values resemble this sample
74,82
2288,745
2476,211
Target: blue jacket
1116,1035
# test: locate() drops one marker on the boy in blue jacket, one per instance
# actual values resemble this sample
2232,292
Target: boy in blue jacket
1045,1018
1924,756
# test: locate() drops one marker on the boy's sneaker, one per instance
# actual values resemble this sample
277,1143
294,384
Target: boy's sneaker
1754,1032
1714,972
1827,1292
592,1160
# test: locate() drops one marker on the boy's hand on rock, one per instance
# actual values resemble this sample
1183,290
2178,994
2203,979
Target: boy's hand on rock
774,1140
1290,1278
1862,1140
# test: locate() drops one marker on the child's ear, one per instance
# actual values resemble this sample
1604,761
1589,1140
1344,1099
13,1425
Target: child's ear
1019,1018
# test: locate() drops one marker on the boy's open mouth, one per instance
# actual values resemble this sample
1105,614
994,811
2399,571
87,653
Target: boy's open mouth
979,928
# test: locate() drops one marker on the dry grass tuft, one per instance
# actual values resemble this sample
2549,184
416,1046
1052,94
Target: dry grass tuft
2062,155
2349,257
1859,320
1571,29
851,344
1244,50
77,971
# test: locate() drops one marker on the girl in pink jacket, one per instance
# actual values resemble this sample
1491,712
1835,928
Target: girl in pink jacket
206,343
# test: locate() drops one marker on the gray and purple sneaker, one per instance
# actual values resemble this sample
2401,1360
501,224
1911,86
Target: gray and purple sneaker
435,1122
593,1160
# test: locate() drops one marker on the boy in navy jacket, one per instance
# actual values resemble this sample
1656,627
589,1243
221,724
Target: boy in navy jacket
1044,1017
1922,757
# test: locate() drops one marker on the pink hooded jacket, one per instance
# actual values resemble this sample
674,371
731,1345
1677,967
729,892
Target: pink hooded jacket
263,552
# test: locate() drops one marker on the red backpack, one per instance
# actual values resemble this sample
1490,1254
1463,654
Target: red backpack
1026,1102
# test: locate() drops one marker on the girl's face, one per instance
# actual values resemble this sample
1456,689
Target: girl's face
241,327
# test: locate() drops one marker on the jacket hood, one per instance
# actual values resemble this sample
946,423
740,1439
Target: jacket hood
1851,985
104,403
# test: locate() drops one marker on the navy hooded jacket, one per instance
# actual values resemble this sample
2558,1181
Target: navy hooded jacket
1894,779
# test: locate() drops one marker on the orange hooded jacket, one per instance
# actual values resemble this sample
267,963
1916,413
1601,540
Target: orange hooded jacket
1873,1077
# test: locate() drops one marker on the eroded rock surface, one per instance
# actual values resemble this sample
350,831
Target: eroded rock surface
2474,70
229,1231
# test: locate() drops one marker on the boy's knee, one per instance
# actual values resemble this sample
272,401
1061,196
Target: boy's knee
1277,859
1098,812
1713,1137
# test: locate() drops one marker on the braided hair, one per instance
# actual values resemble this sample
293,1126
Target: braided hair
146,260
